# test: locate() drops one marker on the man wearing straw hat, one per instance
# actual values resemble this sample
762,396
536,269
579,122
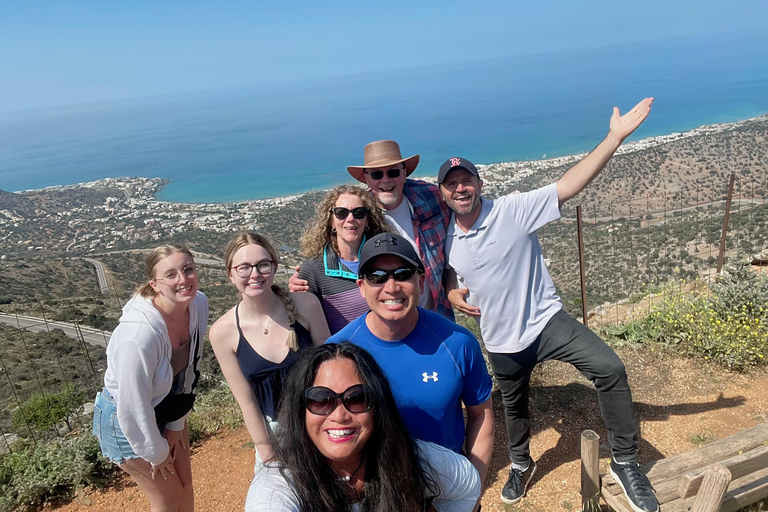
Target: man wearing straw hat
414,208
493,248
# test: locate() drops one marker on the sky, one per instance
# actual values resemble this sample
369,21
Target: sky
62,52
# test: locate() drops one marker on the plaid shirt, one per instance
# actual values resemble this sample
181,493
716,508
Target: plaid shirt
430,217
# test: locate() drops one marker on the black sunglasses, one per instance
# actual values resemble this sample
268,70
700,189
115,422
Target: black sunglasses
342,213
379,276
392,173
322,401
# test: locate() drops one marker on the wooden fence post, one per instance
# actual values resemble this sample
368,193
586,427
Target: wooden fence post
590,471
728,200
713,489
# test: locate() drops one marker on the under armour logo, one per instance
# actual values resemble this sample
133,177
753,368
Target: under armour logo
427,377
455,162
391,241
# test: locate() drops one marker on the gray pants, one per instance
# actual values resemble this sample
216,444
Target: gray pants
565,339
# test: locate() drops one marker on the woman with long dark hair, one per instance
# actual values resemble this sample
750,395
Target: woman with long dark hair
345,218
258,341
153,364
342,446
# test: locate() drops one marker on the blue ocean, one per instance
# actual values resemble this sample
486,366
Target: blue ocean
279,140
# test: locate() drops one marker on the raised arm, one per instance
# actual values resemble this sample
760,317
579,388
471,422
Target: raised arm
581,174
223,338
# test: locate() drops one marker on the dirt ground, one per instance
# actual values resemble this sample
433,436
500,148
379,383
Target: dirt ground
679,404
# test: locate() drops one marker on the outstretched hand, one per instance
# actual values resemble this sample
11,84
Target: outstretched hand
623,126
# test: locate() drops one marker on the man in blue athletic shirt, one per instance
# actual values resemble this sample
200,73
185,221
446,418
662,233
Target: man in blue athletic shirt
433,365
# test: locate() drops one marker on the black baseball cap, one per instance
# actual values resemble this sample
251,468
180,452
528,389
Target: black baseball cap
455,163
388,243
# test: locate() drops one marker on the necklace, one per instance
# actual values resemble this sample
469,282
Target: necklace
269,322
347,478
266,329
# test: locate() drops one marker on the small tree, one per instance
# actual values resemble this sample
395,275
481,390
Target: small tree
42,412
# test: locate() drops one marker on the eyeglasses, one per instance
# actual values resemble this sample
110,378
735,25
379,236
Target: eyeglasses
380,276
342,213
173,276
262,267
392,173
322,401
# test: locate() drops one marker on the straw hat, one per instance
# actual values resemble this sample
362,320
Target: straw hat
382,153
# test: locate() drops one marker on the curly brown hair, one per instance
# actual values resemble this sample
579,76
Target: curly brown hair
319,233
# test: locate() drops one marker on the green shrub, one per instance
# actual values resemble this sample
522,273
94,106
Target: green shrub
214,409
636,331
41,412
743,290
730,327
32,476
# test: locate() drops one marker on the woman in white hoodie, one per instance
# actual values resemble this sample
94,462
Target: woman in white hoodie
153,360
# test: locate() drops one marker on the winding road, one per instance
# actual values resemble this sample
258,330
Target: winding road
90,335
101,274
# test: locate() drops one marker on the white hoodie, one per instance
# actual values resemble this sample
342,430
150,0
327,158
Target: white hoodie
139,373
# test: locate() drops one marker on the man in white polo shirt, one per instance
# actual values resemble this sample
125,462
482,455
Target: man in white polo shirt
493,248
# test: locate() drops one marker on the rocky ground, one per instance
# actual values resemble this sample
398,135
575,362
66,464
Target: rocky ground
679,403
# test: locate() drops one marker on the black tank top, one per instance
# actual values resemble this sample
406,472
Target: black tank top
266,377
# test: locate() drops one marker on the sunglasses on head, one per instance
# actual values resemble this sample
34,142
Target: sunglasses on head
322,401
392,173
379,276
342,213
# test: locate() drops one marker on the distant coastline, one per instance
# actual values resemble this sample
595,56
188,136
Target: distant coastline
495,175
125,213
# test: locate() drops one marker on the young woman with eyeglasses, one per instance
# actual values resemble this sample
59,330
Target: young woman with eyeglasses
257,342
345,218
153,360
342,446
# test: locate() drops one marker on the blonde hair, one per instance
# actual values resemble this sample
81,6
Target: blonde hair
241,241
156,256
319,232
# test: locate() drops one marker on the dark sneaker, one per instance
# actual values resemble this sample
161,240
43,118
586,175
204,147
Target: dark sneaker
635,485
517,484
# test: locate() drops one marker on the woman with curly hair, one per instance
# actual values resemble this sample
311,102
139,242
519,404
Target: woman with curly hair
257,342
345,218
342,446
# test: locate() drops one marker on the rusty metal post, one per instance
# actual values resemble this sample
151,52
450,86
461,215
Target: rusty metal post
582,270
728,200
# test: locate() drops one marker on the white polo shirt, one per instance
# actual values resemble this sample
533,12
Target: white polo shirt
499,259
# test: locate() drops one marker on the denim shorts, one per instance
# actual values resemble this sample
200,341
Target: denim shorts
107,430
